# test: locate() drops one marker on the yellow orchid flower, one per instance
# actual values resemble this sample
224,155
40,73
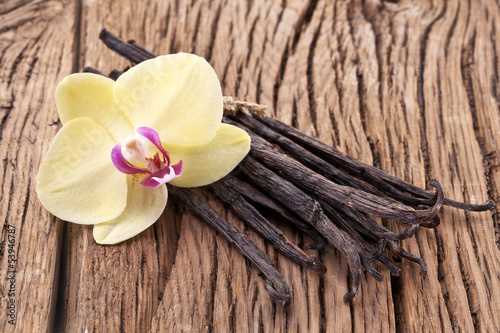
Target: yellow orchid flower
120,141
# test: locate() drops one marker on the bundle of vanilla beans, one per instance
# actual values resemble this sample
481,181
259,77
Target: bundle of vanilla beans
323,192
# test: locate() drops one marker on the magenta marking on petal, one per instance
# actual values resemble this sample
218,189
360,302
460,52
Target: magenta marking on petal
158,178
155,179
163,176
153,136
122,164
150,182
177,169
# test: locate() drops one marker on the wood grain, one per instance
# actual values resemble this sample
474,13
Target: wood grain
408,86
36,52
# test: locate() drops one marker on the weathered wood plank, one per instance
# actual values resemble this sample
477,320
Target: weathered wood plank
36,51
369,79
430,89
411,87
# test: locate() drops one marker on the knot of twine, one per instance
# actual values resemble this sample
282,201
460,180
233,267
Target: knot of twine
232,107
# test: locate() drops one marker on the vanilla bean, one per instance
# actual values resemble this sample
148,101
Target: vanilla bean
399,252
368,223
432,223
358,168
275,283
115,74
257,197
142,51
324,168
326,190
393,245
309,210
382,244
126,50
250,216
348,225
92,70
300,154
395,248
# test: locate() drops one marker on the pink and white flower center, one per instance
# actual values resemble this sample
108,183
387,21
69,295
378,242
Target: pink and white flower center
144,154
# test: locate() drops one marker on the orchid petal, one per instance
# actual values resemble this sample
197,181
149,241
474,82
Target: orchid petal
144,207
179,95
91,95
77,181
205,164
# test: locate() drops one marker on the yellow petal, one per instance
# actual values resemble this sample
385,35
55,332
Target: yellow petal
144,207
77,181
179,95
91,95
203,165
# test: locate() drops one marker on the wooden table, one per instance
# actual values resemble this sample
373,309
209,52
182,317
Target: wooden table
411,87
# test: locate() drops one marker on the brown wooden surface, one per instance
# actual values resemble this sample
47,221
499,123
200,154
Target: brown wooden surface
408,86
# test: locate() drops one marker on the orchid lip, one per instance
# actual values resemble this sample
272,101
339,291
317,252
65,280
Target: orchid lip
159,169
163,176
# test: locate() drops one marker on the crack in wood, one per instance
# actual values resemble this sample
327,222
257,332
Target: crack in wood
213,33
310,74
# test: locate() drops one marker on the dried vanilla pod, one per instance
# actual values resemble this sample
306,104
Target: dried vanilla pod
251,216
275,283
309,210
259,198
359,169
332,193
